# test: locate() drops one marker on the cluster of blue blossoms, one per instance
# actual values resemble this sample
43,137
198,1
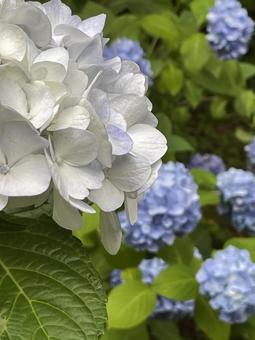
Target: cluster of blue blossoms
237,189
230,29
165,308
250,152
228,280
128,49
170,208
208,162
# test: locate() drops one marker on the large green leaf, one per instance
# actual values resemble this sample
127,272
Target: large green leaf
137,333
195,52
176,282
49,288
130,304
208,321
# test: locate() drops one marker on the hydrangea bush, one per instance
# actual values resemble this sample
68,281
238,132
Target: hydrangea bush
80,149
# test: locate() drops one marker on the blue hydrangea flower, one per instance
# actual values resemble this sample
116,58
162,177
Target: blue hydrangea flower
230,29
208,162
228,280
170,208
165,308
128,49
237,189
250,152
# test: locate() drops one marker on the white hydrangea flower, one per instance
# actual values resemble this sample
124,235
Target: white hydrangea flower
75,129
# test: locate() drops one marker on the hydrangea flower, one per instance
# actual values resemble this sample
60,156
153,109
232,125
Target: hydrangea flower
75,128
170,208
128,49
228,280
230,29
165,308
250,152
208,162
237,189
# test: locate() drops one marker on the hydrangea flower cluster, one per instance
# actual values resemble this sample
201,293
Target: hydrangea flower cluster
165,308
170,208
228,280
250,152
128,49
75,128
237,189
208,162
230,29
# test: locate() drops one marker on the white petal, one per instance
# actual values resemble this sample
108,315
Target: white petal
76,82
75,146
129,173
13,42
110,232
131,209
104,148
64,214
79,179
17,139
3,201
41,102
34,22
154,175
29,177
76,117
51,65
82,206
147,142
108,197
12,96
93,25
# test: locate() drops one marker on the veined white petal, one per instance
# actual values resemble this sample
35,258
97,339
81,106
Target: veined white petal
13,42
110,232
3,202
129,173
64,214
75,146
147,142
131,208
13,96
30,176
108,197
93,26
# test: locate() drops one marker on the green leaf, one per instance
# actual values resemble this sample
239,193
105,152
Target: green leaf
200,9
209,197
228,81
131,274
138,333
123,26
171,79
130,304
162,26
164,330
218,108
243,243
204,179
164,124
48,287
176,282
245,102
248,70
208,321
195,52
181,252
243,135
193,93
178,144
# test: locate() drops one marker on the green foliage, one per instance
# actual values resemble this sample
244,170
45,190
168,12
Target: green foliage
176,282
46,279
130,304
208,321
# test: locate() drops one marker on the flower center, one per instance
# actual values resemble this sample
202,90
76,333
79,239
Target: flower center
4,169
